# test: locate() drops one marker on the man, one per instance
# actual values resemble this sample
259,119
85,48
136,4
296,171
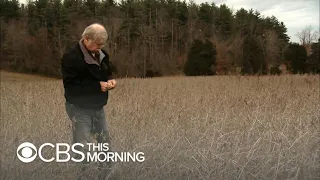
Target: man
87,78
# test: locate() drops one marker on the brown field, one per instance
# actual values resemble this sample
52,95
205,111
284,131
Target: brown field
221,127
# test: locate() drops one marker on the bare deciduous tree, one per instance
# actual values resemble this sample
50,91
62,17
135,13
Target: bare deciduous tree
272,51
307,35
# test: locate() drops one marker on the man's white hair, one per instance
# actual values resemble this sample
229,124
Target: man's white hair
95,32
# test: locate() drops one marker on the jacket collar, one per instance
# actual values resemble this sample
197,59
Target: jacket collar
87,57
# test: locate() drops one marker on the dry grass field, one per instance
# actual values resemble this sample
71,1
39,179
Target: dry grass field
221,127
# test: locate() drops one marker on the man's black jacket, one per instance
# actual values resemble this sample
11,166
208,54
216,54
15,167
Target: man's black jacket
82,76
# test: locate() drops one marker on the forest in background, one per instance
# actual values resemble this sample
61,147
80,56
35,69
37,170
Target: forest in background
154,38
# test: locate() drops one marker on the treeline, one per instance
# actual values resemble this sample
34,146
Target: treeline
150,37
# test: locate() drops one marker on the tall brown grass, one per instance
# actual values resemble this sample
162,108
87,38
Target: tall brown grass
218,127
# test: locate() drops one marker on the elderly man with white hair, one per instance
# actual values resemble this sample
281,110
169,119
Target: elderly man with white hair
87,78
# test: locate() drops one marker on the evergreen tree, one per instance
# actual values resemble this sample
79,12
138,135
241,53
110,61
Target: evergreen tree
201,59
145,36
296,57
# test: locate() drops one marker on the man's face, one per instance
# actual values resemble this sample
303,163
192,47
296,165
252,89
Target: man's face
94,46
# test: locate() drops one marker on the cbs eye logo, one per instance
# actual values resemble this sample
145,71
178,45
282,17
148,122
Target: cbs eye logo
26,150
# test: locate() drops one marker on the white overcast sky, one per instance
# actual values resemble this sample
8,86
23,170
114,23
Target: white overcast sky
295,14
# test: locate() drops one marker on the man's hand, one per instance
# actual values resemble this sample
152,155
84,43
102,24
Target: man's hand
113,83
106,86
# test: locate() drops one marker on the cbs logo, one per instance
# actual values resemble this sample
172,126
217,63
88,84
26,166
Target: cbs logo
25,151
